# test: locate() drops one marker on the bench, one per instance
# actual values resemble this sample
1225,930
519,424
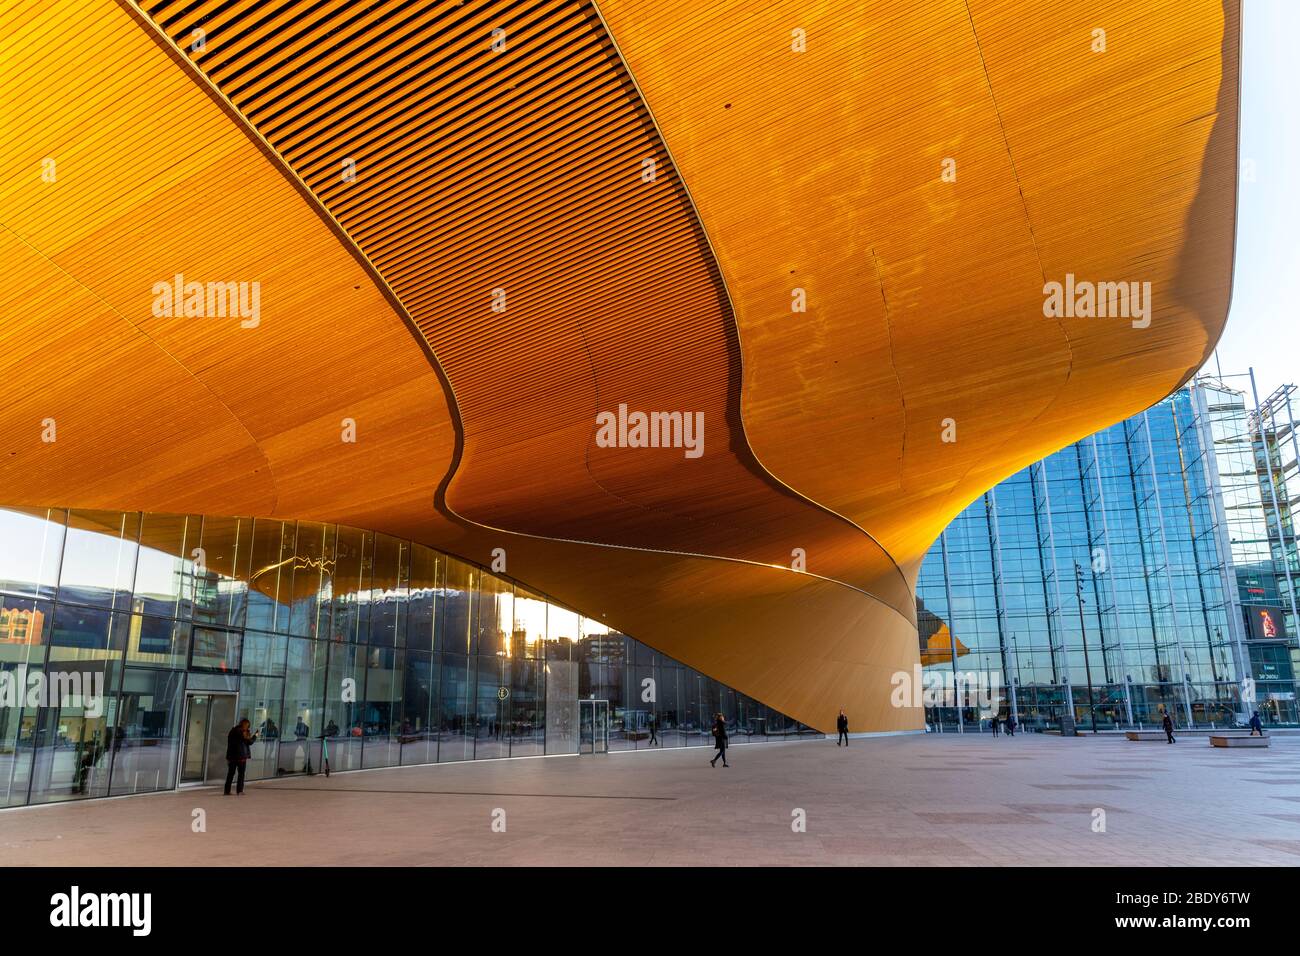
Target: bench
1238,740
1145,734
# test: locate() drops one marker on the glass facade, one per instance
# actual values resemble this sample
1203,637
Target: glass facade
125,636
1119,579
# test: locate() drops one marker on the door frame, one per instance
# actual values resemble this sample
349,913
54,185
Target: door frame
596,706
207,739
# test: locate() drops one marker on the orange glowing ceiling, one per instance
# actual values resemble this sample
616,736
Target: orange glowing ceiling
478,226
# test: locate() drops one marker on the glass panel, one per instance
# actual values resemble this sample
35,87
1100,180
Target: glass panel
99,558
23,719
456,741
157,642
24,629
353,557
260,701
164,577
530,626
73,755
492,712
304,692
30,547
263,654
216,650
586,726
221,570
267,569
87,634
307,617
527,709
457,608
418,731
388,592
671,711
194,759
496,617
145,733
563,629
344,687
221,721
425,572
561,707
382,705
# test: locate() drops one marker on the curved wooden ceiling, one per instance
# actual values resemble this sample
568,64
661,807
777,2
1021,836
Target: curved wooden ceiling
520,169
925,294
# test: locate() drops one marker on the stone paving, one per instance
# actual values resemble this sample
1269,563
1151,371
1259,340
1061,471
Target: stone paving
916,800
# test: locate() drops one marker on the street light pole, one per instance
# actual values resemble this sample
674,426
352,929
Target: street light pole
1087,667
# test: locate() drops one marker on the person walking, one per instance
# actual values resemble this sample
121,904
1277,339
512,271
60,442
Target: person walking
239,748
654,731
1011,726
993,722
1256,725
842,728
719,740
1168,725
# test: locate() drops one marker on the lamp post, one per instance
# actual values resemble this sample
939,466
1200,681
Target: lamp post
1087,667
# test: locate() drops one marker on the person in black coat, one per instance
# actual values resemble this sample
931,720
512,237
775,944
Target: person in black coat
842,728
239,748
720,741
1168,724
1256,725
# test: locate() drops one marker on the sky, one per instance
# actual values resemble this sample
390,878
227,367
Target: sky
1264,320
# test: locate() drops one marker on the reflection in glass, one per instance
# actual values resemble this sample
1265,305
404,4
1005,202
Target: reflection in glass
71,739
388,592
99,558
529,634
381,721
214,650
143,738
157,642
221,570
394,653
456,740
31,545
426,565
458,602
417,733
164,578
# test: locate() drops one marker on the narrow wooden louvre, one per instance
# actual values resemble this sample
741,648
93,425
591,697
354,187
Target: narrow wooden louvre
520,167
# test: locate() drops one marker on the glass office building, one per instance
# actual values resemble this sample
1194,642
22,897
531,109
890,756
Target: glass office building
1130,574
131,643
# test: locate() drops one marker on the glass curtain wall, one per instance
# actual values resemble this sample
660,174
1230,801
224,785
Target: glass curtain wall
341,644
1098,584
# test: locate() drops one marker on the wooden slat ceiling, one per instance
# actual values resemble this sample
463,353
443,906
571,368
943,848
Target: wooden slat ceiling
520,169
925,296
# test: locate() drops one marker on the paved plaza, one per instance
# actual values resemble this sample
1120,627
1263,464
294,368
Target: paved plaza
912,800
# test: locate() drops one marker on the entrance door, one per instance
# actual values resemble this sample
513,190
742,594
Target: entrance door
208,719
593,726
